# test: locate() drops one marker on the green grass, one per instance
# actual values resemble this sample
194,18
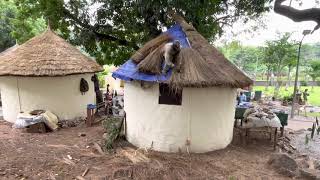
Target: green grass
313,99
313,114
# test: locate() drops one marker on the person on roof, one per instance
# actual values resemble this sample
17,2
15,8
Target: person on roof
170,52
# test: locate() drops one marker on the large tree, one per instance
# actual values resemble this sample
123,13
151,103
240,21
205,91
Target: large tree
7,12
110,30
280,53
246,58
14,28
314,71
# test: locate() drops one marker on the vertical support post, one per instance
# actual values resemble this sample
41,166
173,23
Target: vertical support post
90,114
305,32
275,139
88,120
282,130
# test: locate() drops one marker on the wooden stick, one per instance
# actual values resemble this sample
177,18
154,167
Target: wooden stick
85,172
275,139
80,178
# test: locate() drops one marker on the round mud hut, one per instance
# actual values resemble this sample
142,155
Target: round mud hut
45,73
188,108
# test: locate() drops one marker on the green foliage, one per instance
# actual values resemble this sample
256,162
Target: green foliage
314,71
15,24
112,128
7,13
111,30
280,53
102,81
288,98
303,83
313,99
246,58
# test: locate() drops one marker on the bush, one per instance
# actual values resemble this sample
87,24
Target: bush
287,98
112,128
102,81
303,83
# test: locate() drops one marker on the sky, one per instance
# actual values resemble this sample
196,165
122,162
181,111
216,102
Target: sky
273,23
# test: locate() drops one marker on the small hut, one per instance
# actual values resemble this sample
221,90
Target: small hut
45,73
189,108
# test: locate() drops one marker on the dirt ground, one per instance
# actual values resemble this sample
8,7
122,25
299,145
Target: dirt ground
45,156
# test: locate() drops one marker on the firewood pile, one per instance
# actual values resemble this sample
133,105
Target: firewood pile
284,143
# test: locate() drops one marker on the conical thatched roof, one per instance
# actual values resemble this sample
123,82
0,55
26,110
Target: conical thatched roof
46,55
200,64
9,50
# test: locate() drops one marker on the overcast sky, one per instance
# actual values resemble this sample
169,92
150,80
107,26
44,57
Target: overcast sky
274,23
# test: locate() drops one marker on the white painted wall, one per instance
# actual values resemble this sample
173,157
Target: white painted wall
60,95
206,117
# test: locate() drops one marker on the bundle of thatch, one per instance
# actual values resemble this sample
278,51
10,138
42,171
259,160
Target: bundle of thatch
191,70
200,65
46,55
150,46
152,62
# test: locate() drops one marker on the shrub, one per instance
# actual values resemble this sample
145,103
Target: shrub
102,81
288,98
303,83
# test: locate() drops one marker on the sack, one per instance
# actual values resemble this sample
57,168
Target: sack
84,86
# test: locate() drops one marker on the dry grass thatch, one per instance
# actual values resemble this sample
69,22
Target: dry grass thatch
150,46
152,63
46,55
201,65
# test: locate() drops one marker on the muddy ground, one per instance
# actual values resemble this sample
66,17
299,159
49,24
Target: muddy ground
45,156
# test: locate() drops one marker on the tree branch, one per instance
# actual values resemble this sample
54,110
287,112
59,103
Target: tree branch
222,18
312,14
100,36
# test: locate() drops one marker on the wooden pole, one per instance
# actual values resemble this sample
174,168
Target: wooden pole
88,117
275,139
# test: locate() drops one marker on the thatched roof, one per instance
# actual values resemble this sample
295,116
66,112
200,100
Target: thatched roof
46,55
9,50
199,65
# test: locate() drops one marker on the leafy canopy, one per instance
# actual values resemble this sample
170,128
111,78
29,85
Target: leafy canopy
110,30
7,12
280,53
246,58
15,26
314,71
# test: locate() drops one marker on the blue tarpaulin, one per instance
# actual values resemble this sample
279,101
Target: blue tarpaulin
129,70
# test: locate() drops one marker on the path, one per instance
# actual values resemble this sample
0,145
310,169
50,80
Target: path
300,122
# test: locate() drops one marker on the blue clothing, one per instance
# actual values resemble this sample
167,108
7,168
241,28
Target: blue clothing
243,98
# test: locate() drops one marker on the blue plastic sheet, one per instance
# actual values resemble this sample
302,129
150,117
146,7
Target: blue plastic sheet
129,70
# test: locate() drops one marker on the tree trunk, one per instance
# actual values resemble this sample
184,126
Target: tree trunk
268,78
313,82
288,79
277,84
